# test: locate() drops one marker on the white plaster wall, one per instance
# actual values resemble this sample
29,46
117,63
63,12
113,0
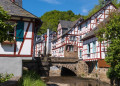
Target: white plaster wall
26,50
6,49
11,65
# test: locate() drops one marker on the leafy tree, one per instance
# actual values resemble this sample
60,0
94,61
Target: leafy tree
5,26
51,19
111,31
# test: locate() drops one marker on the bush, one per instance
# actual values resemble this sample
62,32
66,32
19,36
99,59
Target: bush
30,78
5,77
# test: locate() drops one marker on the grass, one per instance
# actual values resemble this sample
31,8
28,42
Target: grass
30,78
5,77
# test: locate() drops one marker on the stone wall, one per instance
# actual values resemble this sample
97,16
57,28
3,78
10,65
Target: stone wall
102,75
73,54
82,68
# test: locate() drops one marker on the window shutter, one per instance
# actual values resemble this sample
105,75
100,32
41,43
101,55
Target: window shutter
93,47
20,31
80,53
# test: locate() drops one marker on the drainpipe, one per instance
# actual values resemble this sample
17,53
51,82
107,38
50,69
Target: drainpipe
100,51
34,44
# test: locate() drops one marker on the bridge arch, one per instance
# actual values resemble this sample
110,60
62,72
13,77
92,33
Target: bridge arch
61,68
67,72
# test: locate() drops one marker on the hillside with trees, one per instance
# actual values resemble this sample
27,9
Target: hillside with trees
51,19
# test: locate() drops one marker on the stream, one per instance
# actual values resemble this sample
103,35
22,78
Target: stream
73,81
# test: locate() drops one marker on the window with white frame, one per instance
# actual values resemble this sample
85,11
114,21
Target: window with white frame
59,50
88,48
63,39
94,47
80,38
70,48
72,38
86,24
79,28
80,53
98,21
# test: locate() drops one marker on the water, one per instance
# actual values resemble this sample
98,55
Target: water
73,81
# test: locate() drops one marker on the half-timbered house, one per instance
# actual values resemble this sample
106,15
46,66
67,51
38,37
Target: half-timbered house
69,43
13,53
41,44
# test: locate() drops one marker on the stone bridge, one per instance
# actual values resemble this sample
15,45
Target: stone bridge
72,64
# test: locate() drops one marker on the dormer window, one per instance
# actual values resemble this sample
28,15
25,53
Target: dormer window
79,27
86,25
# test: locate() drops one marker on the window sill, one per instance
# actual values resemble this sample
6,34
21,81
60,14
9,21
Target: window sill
8,42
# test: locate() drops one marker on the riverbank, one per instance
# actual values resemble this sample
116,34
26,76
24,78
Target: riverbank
30,78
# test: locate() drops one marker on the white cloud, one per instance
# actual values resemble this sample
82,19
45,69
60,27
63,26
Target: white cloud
52,1
84,10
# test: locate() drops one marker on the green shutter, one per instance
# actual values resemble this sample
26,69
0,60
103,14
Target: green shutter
93,47
20,31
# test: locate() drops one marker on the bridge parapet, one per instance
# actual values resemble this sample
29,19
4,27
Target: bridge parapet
63,60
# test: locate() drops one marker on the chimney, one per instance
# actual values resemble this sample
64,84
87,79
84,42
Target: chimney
18,2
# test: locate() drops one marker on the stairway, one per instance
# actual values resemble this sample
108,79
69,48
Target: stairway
43,66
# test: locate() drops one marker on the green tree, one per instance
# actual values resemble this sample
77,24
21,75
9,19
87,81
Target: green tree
5,26
51,19
111,31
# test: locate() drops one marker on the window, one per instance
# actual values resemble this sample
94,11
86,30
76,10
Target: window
72,38
80,53
20,31
86,25
59,50
94,47
11,32
88,48
80,38
63,39
59,32
69,48
97,20
79,28
62,49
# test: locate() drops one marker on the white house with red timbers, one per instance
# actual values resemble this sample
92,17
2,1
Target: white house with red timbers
68,42
12,54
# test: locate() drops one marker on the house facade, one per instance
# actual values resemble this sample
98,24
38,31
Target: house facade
42,41
69,43
12,54
66,42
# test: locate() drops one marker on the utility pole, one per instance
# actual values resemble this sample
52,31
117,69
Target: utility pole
47,51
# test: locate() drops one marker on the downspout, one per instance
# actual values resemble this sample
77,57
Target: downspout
34,44
100,51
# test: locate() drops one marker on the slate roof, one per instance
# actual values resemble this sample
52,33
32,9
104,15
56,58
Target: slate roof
90,34
96,29
65,24
69,25
15,10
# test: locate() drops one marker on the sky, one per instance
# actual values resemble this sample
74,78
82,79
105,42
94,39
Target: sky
39,7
